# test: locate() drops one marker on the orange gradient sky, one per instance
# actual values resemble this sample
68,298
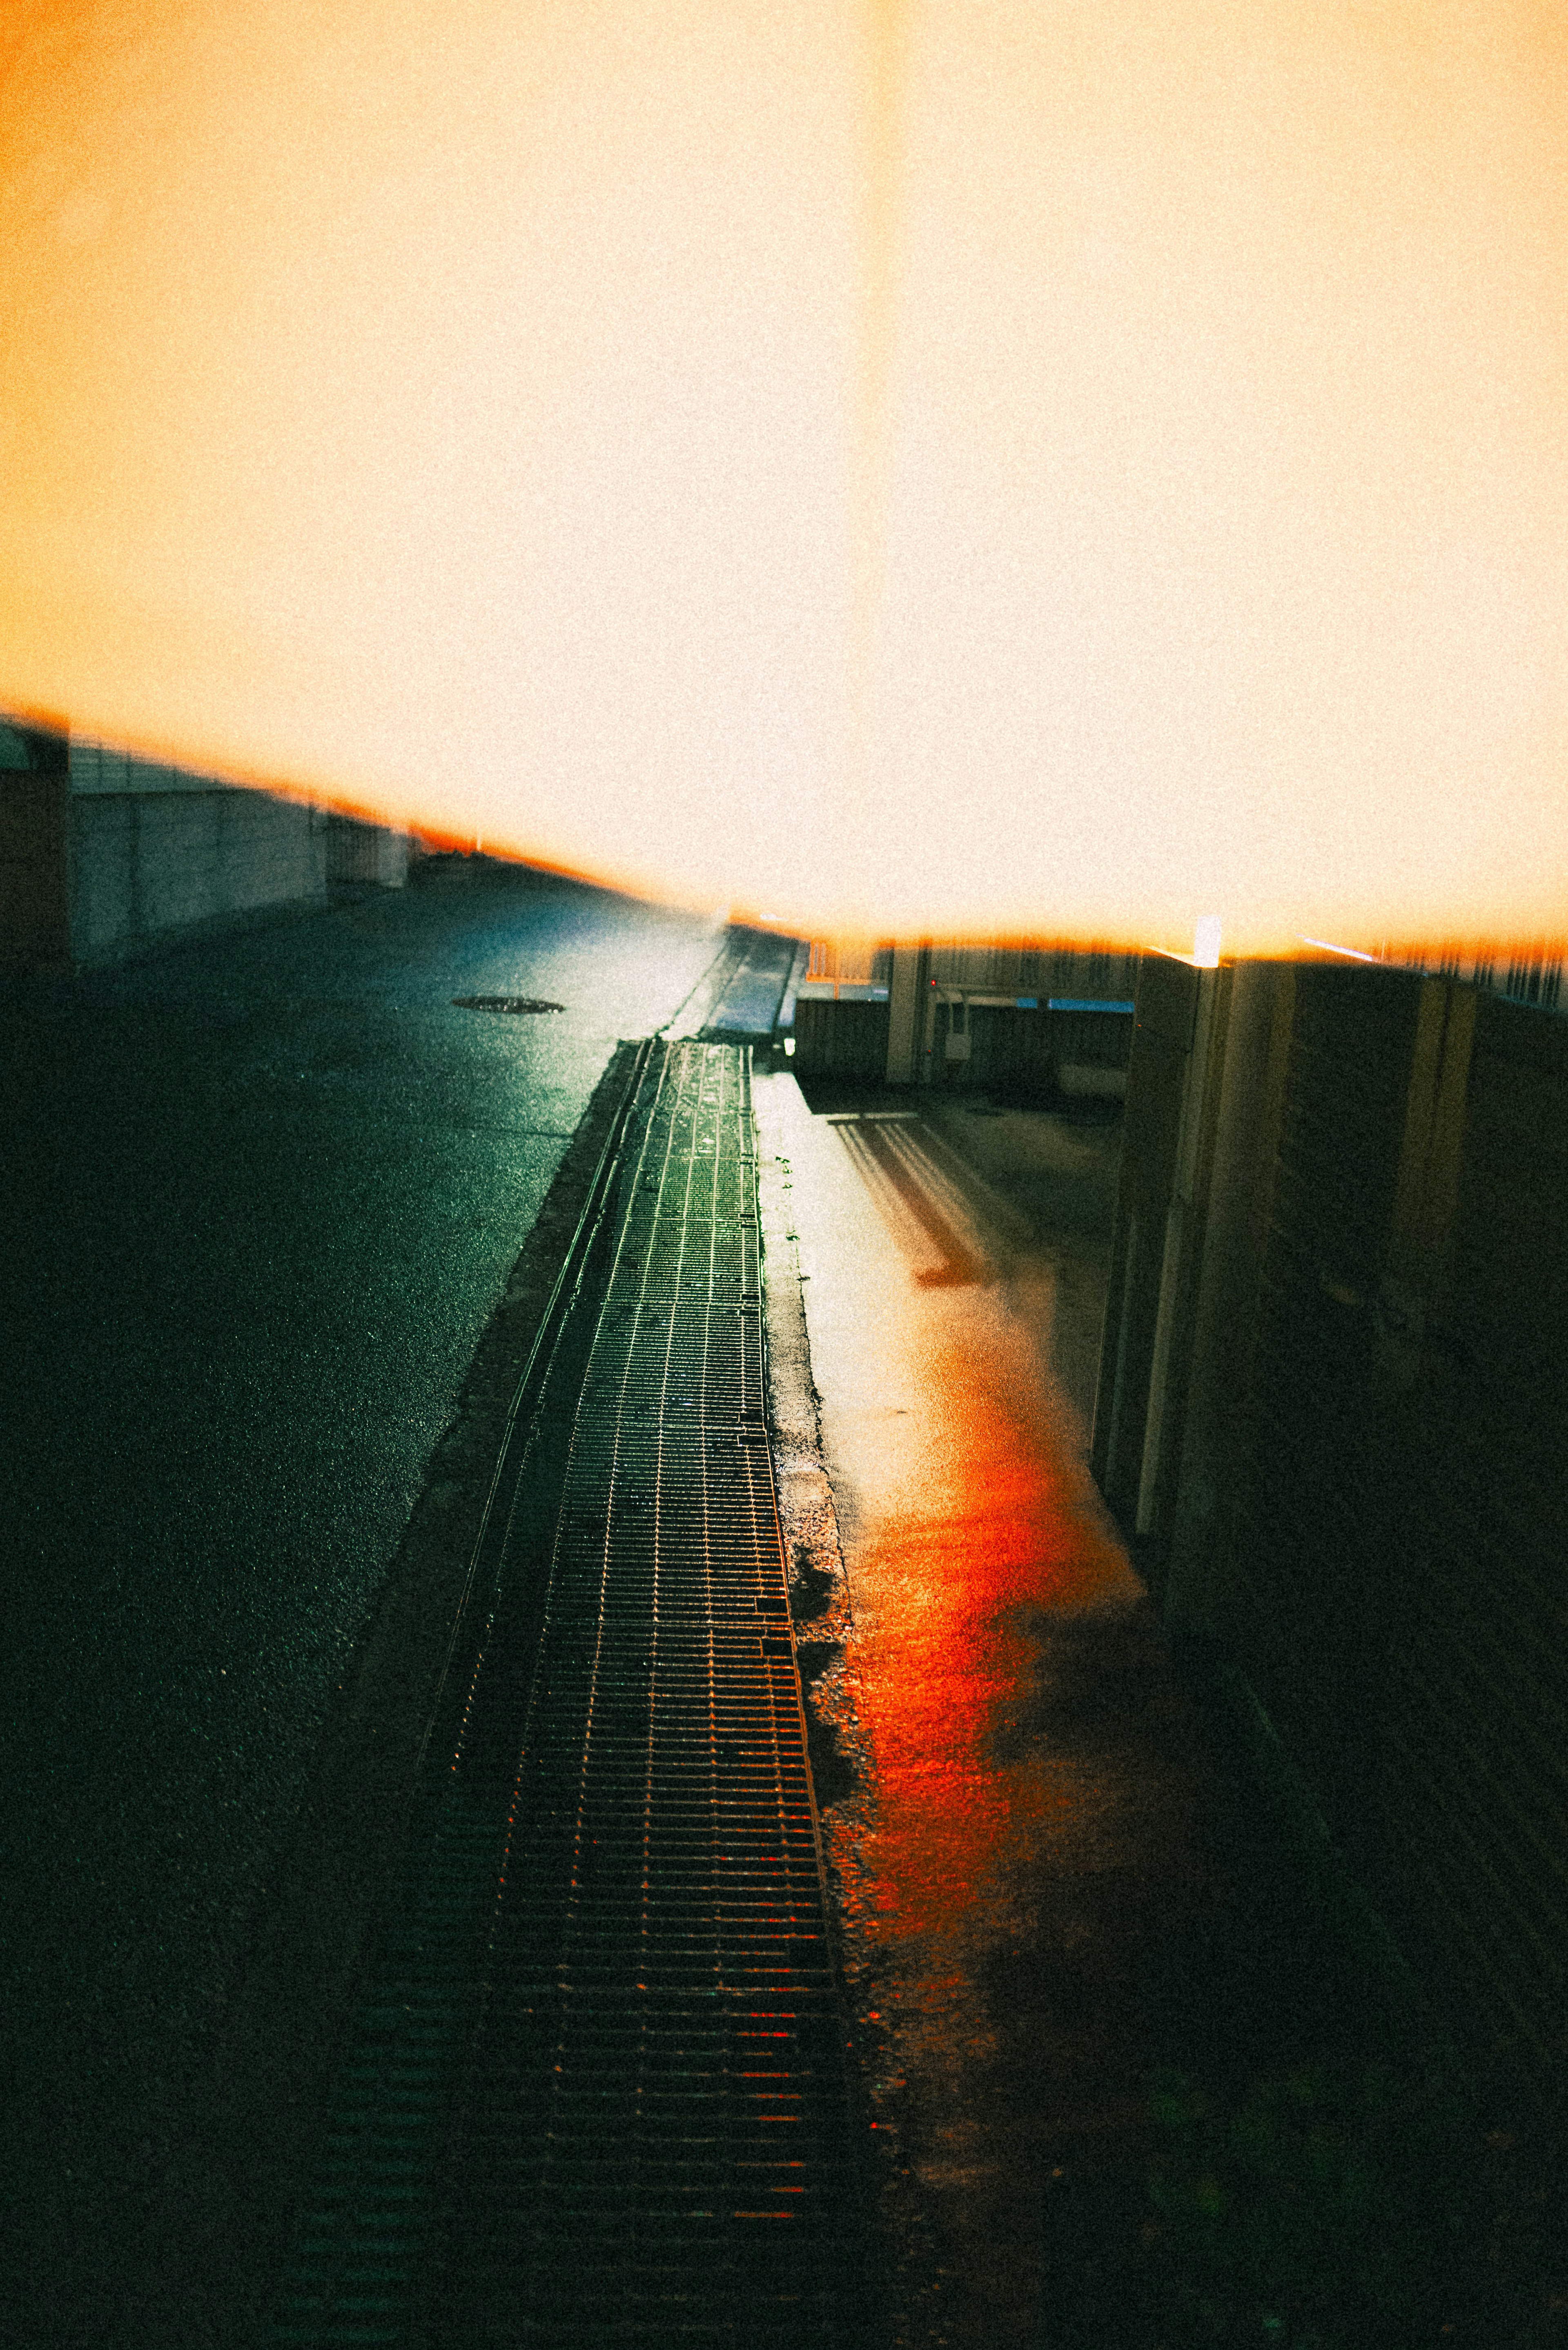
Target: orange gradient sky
1061,467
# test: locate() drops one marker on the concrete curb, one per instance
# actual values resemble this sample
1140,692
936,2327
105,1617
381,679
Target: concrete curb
819,1593
838,1744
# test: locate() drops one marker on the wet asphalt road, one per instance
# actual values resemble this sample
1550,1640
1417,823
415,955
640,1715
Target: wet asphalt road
259,1198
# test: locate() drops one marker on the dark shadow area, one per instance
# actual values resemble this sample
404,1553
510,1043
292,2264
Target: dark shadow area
1258,2133
833,1774
831,1095
1319,2169
262,1200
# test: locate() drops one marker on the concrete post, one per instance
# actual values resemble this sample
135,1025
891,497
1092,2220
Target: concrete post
35,872
906,986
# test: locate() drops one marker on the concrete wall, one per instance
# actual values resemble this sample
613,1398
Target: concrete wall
35,920
146,862
1332,1399
366,852
102,851
153,850
844,1038
35,896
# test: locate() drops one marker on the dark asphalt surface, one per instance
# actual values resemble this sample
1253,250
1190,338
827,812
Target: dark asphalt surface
259,1198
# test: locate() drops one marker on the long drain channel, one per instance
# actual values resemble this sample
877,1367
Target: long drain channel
597,2092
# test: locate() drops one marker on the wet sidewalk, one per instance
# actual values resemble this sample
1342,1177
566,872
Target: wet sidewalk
1133,2080
1021,1827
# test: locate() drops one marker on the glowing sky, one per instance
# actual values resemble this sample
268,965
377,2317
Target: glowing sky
1073,467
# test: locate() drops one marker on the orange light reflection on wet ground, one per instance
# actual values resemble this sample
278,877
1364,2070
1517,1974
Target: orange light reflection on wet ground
1030,1826
969,1543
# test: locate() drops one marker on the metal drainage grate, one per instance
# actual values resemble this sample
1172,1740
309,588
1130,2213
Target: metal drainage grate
598,2091
505,1004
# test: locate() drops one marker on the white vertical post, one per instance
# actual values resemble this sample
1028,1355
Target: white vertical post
903,1012
1177,1243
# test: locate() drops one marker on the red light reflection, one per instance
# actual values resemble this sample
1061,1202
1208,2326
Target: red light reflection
1030,1830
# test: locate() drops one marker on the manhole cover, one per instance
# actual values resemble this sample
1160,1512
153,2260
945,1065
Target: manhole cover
505,1004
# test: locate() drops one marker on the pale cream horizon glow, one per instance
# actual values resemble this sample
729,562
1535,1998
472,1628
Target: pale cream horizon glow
1058,469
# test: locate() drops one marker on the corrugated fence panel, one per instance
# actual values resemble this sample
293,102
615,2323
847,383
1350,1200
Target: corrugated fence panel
1402,1553
1318,1576
1474,1783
